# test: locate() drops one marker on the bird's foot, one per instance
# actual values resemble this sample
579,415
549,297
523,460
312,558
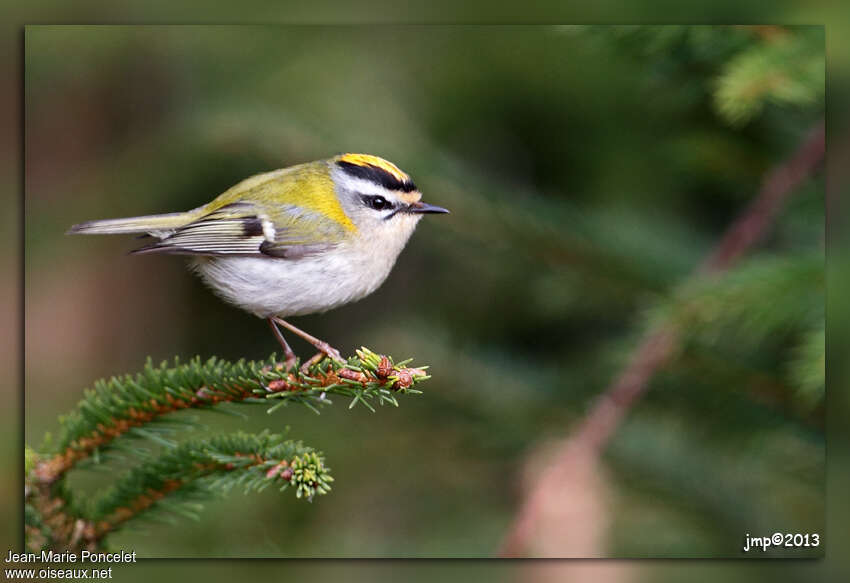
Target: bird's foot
325,351
323,347
290,362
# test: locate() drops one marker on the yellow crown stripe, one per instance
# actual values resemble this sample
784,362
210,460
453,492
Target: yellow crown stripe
369,160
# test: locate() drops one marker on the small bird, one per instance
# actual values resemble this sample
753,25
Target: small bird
294,241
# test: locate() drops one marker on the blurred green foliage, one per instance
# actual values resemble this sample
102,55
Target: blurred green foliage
588,170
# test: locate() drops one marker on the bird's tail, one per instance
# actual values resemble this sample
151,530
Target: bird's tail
157,225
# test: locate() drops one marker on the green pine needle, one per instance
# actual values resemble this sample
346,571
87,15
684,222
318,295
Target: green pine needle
177,479
123,405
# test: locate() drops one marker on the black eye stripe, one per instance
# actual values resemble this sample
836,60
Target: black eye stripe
376,202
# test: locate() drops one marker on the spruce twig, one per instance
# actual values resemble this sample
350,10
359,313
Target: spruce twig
128,404
135,405
199,467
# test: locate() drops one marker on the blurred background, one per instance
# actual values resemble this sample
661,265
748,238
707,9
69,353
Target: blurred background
589,170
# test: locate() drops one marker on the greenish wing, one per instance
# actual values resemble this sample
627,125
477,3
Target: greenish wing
246,229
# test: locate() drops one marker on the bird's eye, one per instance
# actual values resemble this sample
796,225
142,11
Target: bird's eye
377,203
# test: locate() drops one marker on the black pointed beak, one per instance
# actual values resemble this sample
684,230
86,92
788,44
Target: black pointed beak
423,208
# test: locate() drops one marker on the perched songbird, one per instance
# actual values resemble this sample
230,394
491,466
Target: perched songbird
294,241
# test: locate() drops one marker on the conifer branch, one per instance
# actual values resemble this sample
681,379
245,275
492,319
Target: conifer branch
170,482
49,521
658,344
122,406
198,468
132,406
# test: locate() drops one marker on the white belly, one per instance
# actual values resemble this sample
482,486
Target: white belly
292,287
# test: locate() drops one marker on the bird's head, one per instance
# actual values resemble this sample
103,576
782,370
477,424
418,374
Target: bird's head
378,197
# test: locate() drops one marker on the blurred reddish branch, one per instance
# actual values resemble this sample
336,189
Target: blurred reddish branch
596,429
777,186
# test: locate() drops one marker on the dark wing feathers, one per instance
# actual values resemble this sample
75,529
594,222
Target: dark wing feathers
243,229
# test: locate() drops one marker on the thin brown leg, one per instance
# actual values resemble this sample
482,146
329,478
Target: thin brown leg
288,354
320,345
